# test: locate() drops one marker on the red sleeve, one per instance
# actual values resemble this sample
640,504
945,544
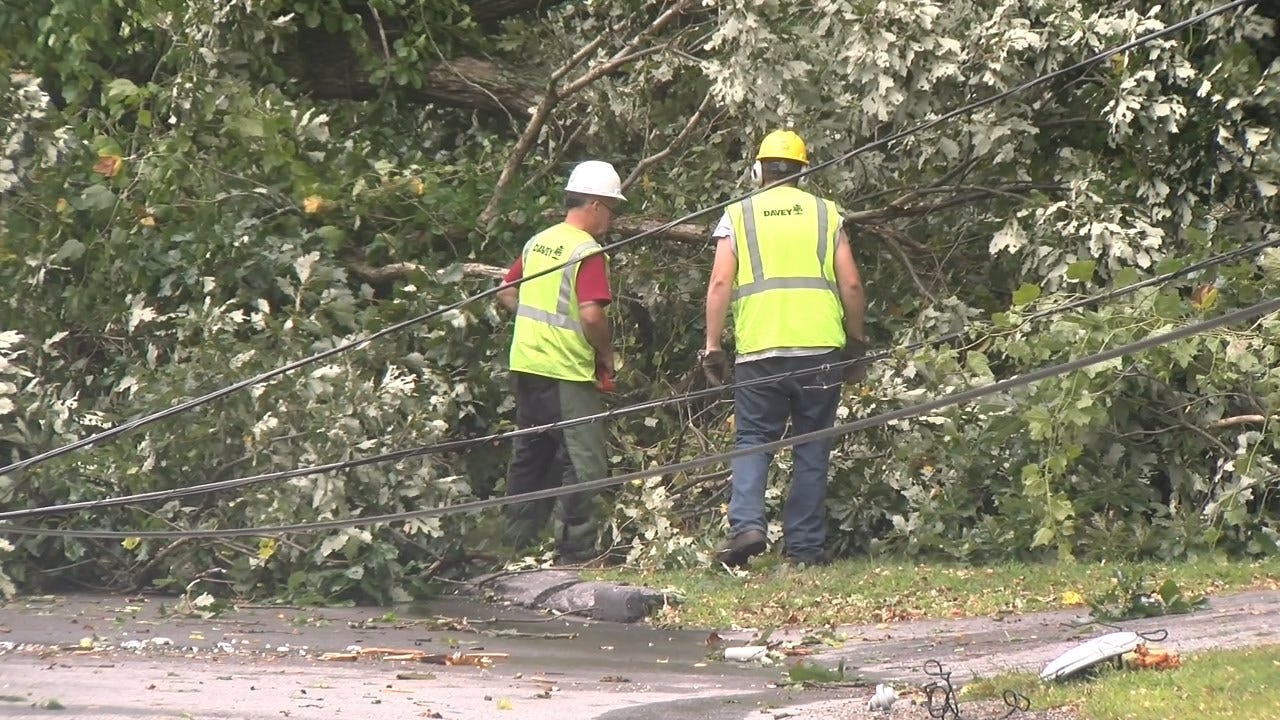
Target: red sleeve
514,272
593,281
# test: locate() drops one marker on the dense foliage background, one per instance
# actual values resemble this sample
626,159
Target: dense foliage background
196,191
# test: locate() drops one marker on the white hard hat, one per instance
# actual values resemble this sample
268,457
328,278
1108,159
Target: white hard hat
595,177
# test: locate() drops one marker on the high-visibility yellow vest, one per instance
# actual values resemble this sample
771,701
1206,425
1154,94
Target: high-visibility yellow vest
548,338
785,294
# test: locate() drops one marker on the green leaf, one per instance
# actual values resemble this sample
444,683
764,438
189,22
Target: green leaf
121,88
1124,277
333,236
104,145
1032,480
1025,294
1196,235
1170,264
72,249
1040,423
96,197
1081,271
1044,536
976,363
248,126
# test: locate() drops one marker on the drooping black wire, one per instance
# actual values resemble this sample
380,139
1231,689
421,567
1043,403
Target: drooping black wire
942,704
1262,308
462,444
118,430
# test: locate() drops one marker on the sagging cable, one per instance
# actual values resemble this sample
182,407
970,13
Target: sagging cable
1262,308
463,444
116,431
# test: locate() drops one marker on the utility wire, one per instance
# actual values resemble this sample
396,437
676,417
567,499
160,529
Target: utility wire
1262,308
118,430
462,444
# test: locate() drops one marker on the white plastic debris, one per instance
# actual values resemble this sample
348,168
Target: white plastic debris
1105,647
746,653
883,699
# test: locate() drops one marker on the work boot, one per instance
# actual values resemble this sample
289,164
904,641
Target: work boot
741,547
809,559
576,543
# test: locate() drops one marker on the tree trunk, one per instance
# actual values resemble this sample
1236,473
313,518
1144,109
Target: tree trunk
330,69
483,11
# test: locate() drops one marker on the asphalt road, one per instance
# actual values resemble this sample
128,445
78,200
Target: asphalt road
109,658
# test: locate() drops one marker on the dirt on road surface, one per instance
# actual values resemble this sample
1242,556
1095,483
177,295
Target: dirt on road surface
112,658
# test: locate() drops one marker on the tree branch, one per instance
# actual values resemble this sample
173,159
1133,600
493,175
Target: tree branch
630,52
549,99
554,162
401,270
679,139
634,225
894,247
490,10
963,194
1237,420
553,95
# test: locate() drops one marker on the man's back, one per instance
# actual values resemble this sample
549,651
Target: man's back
548,337
785,296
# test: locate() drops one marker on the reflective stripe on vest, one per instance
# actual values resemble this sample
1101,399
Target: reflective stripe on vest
563,317
758,285
785,298
548,338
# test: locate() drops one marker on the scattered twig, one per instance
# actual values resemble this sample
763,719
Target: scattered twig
894,247
554,162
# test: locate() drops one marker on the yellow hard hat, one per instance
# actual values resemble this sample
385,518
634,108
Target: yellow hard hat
783,145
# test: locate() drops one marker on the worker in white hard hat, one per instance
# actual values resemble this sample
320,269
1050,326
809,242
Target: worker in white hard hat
785,267
561,361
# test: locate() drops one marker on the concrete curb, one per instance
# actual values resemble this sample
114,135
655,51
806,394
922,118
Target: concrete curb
565,592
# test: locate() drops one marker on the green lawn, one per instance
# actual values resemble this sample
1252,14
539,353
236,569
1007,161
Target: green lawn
863,591
1216,685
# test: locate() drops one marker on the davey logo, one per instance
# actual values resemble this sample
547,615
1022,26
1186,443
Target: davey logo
548,250
784,212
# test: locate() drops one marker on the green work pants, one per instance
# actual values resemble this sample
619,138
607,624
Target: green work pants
555,458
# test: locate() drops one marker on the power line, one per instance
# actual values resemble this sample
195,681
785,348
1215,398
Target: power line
462,444
965,396
118,430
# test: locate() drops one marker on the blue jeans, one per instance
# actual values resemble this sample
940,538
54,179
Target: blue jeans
760,415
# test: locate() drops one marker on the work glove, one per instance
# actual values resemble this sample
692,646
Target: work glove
604,379
604,375
854,348
715,366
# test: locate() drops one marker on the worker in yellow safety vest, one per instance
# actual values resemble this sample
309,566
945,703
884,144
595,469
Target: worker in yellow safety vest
784,266
561,359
